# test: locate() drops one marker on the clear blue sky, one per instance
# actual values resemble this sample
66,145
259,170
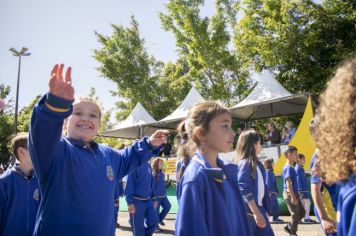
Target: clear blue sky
63,31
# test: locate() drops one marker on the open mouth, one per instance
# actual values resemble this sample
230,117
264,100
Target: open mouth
84,126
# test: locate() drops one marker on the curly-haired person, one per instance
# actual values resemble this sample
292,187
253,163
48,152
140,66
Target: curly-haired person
336,139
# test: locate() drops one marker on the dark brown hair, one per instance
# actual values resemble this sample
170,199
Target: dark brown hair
268,164
290,149
246,149
20,140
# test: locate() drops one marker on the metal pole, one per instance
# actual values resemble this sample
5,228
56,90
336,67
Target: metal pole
17,95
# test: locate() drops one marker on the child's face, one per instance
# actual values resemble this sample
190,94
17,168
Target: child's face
301,161
84,122
220,136
24,156
293,157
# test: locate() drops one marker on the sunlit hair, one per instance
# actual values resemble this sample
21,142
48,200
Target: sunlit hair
19,140
89,100
335,133
245,149
186,148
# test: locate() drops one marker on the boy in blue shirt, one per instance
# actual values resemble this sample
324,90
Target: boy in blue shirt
303,188
19,193
138,192
77,176
290,191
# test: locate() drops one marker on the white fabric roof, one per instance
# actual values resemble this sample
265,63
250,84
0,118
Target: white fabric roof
133,126
268,99
171,121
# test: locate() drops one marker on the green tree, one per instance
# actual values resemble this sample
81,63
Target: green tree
25,113
302,40
203,43
6,128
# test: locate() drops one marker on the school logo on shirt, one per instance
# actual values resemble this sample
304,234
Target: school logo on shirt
36,194
110,173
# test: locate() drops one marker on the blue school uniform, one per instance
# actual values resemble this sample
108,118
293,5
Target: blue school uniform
139,187
77,182
160,196
249,190
119,192
271,184
181,164
210,202
346,209
289,172
302,182
333,189
19,200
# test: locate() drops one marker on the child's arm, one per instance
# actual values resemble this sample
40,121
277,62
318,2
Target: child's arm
129,192
328,224
294,199
47,122
245,186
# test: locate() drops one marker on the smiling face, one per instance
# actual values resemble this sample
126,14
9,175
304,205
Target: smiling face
84,122
220,136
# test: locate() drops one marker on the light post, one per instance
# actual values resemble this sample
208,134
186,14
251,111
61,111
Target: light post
15,53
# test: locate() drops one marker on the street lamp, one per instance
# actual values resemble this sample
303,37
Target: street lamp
15,53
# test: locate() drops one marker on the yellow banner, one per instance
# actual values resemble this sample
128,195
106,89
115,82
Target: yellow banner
170,166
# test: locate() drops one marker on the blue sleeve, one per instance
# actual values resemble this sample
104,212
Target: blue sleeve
45,133
245,181
130,187
315,177
134,156
192,213
287,173
3,201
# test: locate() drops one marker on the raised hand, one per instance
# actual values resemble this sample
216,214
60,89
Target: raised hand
59,86
159,137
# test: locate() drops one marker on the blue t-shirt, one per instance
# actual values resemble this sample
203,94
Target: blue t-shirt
289,172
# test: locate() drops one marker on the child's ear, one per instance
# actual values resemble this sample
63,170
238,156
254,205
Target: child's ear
21,152
200,133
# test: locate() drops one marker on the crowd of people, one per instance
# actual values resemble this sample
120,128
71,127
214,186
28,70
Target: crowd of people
70,185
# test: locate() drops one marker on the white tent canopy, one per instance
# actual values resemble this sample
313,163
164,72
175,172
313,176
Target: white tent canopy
268,99
171,121
133,127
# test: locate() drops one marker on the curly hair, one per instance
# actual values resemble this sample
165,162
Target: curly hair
335,133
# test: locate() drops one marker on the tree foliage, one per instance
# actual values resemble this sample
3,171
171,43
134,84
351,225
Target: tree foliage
204,42
302,40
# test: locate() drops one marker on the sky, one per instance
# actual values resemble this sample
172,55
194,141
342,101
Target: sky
63,32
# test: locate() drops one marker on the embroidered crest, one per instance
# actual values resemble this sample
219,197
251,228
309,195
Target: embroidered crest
36,194
110,173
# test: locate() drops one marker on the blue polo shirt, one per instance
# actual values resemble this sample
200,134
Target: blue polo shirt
289,172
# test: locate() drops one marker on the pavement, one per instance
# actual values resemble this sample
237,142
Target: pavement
303,229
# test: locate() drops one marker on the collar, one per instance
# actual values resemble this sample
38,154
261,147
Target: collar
17,169
81,144
216,173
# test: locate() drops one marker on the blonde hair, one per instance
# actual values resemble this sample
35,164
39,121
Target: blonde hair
89,100
335,134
